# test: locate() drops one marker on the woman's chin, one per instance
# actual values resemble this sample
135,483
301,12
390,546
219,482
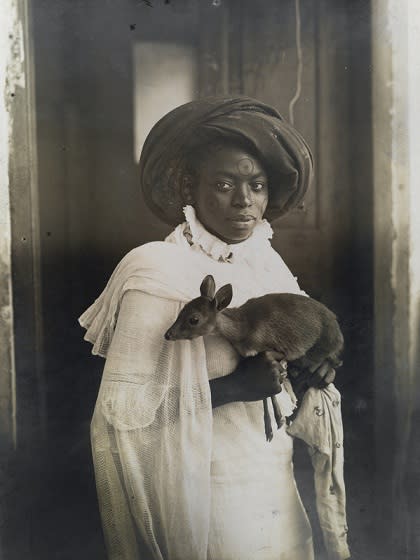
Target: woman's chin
233,231
237,234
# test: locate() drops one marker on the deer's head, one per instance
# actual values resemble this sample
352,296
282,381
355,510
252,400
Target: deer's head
198,317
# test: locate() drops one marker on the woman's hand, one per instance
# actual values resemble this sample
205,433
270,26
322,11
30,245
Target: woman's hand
254,379
320,378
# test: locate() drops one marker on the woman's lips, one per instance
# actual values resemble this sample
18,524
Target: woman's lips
243,222
243,219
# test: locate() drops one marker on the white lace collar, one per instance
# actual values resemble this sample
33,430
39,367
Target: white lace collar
220,250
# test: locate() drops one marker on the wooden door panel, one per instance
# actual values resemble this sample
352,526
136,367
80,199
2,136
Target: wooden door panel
266,47
271,73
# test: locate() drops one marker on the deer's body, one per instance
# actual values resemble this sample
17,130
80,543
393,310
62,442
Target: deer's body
301,330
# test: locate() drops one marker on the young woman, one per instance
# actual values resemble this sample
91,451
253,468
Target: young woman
182,466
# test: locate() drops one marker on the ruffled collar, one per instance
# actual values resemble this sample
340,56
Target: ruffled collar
219,250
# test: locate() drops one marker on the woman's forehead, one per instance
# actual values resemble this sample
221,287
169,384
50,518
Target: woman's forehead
233,160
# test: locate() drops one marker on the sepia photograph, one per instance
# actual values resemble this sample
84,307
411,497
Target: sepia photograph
210,280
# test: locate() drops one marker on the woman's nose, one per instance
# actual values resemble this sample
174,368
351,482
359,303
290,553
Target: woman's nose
242,196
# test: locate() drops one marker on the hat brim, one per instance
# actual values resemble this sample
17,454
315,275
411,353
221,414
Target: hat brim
281,149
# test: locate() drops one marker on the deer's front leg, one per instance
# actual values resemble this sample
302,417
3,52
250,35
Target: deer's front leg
277,413
267,422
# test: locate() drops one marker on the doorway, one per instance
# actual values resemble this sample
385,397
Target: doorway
97,67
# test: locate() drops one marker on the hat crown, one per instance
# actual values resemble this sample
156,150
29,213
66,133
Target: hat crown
282,150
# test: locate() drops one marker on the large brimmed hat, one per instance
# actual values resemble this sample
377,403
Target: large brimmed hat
281,149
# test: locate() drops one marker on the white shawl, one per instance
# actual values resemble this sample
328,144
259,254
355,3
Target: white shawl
177,446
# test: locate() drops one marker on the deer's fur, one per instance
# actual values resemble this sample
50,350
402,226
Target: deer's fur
300,328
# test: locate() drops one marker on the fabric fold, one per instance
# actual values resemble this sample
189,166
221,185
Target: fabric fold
146,268
319,424
152,432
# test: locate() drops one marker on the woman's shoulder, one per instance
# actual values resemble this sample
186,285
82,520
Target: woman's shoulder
285,279
159,268
274,259
155,269
156,255
153,251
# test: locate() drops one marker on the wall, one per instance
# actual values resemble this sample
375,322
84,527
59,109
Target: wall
21,383
10,72
396,72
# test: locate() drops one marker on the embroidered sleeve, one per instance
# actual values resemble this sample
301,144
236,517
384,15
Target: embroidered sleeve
319,424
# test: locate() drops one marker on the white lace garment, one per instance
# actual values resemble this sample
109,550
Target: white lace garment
177,480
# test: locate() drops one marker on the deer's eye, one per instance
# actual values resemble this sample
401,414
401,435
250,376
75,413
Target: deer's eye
193,320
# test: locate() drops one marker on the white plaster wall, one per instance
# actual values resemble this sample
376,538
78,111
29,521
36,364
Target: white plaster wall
396,149
414,180
11,77
404,27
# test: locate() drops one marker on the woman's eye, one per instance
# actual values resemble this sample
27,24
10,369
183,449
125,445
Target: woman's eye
193,320
223,186
258,186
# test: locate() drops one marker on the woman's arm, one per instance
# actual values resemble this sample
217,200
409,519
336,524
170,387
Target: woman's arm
152,435
254,379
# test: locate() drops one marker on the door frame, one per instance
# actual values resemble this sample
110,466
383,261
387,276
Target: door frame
396,168
22,403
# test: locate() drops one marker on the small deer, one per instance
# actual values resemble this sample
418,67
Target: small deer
295,328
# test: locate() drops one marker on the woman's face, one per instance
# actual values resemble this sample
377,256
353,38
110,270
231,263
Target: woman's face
231,194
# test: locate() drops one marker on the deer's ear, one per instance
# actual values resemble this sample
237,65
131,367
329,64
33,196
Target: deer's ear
208,287
223,297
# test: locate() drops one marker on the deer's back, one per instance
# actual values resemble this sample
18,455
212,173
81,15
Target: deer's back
289,323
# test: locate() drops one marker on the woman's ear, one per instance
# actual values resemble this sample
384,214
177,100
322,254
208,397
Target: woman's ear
223,297
208,287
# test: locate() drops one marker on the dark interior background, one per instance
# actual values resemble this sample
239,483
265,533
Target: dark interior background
89,74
